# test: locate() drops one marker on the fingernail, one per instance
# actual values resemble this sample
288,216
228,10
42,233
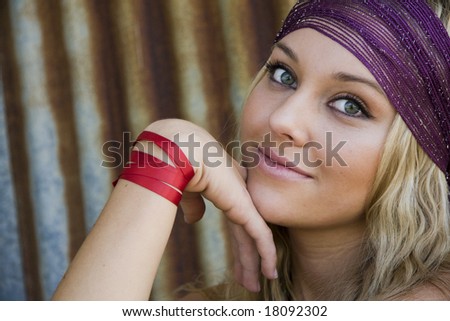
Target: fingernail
275,274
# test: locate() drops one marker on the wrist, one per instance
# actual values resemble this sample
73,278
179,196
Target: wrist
166,176
192,140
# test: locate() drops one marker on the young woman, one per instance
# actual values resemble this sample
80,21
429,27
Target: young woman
346,133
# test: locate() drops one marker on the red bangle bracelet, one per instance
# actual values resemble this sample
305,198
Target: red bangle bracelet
156,175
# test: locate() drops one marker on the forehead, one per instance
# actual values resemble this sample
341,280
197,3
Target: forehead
317,51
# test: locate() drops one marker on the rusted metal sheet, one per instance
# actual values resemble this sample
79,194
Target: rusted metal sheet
77,74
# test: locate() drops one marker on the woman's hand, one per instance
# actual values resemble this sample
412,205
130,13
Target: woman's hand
120,257
221,180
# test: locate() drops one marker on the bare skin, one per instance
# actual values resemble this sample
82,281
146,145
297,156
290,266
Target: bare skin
120,257
313,86
316,86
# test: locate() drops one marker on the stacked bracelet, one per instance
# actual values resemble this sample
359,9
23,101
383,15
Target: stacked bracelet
156,175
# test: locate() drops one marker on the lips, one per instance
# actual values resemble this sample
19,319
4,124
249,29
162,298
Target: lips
281,165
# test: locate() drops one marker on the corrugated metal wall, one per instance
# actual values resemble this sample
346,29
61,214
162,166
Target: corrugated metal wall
78,73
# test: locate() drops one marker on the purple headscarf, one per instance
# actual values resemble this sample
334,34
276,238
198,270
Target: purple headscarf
406,48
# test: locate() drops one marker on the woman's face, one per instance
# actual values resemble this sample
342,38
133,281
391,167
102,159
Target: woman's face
320,120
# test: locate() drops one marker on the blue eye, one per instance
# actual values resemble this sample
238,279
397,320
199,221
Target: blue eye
281,75
350,106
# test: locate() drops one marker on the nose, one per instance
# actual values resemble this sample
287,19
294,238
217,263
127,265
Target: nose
294,118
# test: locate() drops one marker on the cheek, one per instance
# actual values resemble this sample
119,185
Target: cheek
348,187
361,164
283,204
337,197
255,115
251,121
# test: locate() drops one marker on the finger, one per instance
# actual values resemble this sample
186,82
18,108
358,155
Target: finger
263,240
258,231
238,206
237,266
246,263
193,206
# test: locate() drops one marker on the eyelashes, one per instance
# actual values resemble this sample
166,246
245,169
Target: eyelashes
353,106
345,103
281,74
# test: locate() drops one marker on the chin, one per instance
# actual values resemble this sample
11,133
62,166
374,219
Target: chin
272,205
294,209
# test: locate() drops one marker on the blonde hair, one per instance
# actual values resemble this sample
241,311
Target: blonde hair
407,218
408,232
407,243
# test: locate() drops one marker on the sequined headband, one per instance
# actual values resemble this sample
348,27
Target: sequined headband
407,49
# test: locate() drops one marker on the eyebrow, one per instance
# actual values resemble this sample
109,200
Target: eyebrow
341,76
288,51
353,78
